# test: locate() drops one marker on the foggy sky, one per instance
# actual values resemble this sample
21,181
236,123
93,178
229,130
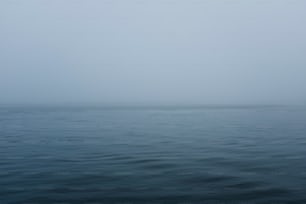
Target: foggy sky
153,51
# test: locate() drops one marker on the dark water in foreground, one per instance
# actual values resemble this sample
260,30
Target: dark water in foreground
153,155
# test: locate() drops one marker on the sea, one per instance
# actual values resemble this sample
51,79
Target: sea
152,154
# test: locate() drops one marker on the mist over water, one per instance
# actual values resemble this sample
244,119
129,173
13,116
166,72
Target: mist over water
152,102
153,52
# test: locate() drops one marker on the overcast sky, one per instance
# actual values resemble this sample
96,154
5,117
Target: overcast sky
153,51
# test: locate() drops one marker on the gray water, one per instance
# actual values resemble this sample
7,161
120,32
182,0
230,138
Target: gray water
210,154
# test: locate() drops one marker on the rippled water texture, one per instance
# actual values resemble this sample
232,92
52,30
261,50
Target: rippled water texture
152,155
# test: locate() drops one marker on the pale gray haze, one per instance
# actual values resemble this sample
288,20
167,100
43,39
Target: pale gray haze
153,51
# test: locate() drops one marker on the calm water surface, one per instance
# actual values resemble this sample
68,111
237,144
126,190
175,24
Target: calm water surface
152,155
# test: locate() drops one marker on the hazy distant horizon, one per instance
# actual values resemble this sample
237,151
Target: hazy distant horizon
153,52
148,105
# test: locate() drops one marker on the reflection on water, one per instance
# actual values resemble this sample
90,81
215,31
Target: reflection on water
152,155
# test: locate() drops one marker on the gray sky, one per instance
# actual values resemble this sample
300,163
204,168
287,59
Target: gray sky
145,51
